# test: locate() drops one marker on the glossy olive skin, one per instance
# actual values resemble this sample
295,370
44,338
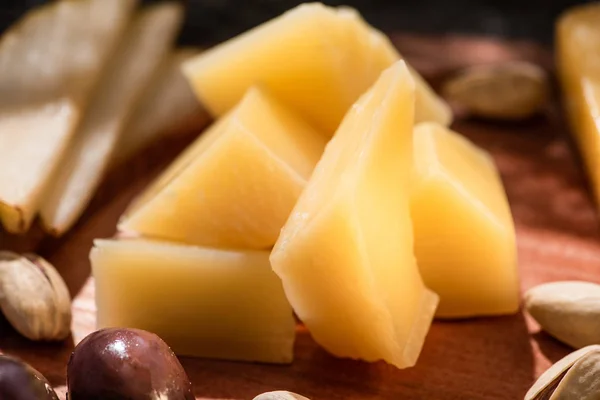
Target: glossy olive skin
19,381
126,364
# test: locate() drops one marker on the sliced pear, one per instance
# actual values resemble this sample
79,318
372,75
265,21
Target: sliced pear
135,62
49,64
168,107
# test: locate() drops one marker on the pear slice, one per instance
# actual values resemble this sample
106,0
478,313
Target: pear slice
132,68
168,107
49,64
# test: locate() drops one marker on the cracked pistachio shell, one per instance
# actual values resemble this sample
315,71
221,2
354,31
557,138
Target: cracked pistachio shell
575,377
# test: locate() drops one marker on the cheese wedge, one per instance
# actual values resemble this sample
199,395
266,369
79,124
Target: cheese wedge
49,64
168,107
132,68
578,60
464,231
211,303
345,256
316,59
235,187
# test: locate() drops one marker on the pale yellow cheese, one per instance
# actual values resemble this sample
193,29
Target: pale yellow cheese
49,64
316,59
234,187
578,59
464,232
134,64
202,302
345,256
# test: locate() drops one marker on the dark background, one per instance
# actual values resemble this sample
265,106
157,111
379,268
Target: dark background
210,21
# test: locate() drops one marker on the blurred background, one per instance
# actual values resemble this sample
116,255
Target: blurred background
211,21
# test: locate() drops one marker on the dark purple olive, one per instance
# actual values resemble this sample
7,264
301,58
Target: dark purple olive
126,364
19,381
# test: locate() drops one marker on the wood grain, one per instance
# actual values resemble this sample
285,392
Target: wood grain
487,358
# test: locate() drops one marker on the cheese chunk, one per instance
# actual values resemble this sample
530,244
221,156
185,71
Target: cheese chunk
316,59
345,255
202,302
578,59
464,232
235,187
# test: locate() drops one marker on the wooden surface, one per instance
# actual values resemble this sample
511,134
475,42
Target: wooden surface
487,358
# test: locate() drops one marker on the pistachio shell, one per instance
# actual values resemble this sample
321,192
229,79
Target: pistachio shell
34,298
280,395
546,384
582,380
569,311
508,91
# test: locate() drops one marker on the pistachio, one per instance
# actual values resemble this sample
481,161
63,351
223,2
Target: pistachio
575,377
509,91
33,297
280,395
569,311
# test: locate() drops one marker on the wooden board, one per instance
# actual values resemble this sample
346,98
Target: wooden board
487,358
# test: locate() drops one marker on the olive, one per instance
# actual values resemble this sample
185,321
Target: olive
126,364
19,381
280,395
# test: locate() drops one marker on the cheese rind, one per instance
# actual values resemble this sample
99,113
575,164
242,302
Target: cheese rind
464,232
578,60
316,59
234,187
202,302
345,255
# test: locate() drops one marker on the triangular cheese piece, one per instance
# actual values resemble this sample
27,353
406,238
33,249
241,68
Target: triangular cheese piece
464,231
235,186
345,255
